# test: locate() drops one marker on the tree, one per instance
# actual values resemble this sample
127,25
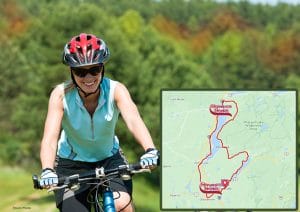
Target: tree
232,63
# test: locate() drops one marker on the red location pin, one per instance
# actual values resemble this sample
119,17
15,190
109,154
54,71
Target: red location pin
225,183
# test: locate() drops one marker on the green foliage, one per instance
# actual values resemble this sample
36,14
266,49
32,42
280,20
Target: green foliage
131,24
10,149
233,63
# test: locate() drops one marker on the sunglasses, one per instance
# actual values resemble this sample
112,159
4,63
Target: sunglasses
82,72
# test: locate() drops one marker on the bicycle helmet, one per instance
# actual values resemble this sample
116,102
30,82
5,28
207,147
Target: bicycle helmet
85,49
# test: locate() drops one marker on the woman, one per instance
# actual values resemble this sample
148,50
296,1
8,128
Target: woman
80,125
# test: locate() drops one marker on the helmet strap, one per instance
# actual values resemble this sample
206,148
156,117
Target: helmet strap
102,74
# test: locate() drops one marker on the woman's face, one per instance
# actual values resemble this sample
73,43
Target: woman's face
88,78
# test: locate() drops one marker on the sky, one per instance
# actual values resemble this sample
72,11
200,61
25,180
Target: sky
272,2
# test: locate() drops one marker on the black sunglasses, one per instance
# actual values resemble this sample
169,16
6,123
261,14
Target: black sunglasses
82,72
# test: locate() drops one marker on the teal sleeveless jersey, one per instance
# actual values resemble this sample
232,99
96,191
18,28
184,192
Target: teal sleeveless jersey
85,137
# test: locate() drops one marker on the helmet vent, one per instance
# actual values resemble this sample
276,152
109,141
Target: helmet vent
77,38
88,37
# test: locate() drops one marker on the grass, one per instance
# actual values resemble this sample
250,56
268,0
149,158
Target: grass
17,193
145,197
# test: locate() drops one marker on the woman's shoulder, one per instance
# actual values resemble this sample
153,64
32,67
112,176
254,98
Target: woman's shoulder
108,81
58,92
109,84
56,97
121,91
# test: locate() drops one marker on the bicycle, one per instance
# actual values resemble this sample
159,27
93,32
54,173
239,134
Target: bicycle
101,179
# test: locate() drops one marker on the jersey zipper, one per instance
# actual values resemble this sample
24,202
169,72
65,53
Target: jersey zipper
92,126
92,123
91,116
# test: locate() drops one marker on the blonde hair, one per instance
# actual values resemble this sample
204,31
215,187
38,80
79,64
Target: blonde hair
68,86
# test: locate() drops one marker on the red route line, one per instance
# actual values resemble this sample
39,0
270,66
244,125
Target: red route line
208,195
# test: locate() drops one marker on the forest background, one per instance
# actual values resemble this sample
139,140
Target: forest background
154,45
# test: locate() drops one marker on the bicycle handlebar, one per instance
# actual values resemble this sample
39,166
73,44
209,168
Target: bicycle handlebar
125,171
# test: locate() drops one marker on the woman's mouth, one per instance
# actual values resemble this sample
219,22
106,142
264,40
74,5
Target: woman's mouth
89,83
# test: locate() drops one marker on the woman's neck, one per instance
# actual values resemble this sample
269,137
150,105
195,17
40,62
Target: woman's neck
90,98
90,102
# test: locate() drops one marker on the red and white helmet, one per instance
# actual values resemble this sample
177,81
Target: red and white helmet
85,49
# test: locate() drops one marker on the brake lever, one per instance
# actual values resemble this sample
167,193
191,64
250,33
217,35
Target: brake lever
69,182
140,171
54,188
73,187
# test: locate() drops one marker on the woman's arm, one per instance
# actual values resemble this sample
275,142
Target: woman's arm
52,128
132,117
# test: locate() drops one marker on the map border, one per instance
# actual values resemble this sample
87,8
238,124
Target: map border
228,209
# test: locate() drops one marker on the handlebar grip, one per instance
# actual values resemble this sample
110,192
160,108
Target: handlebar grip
61,180
36,183
135,166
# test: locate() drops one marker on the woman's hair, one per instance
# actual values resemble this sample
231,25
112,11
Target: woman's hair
68,86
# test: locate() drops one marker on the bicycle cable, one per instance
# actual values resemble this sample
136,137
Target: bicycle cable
130,197
93,198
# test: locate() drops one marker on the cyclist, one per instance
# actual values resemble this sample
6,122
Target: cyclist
79,133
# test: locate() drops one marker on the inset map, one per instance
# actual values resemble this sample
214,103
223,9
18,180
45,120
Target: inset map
228,149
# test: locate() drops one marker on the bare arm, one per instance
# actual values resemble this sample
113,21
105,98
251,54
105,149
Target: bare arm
132,117
52,128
